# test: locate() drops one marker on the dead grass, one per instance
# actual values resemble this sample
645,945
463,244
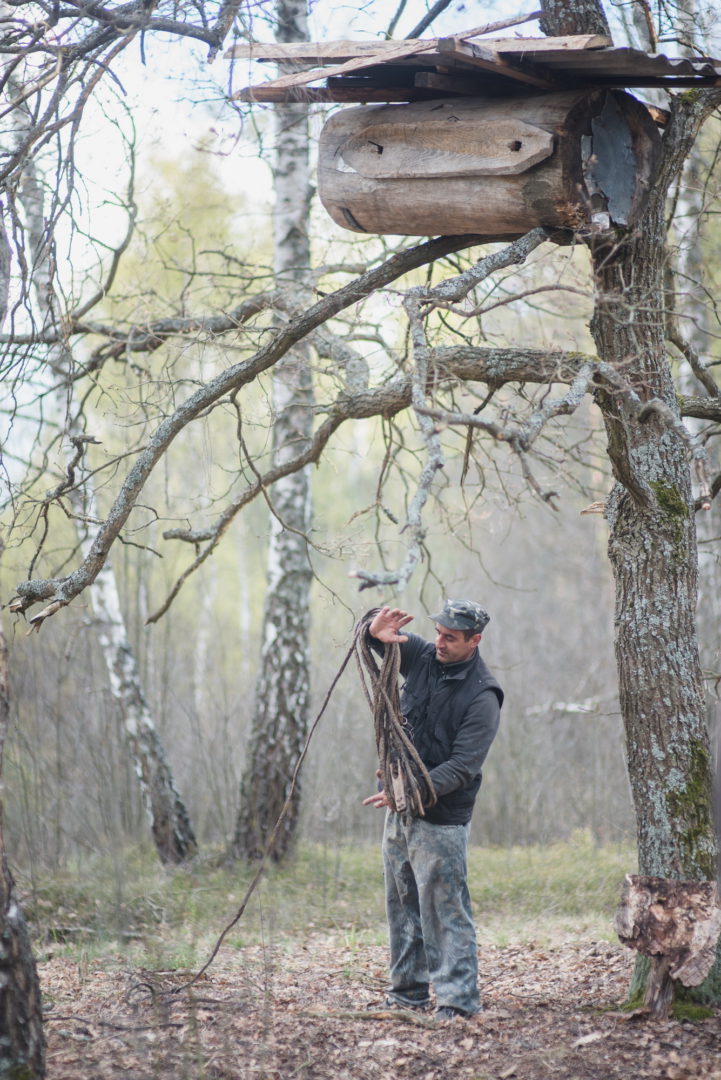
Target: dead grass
169,918
297,989
312,1009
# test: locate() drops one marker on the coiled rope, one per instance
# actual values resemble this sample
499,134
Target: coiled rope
406,781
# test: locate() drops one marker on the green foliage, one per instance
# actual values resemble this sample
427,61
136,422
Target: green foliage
17,1070
690,1002
569,880
676,511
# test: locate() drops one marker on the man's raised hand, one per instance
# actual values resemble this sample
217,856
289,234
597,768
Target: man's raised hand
387,624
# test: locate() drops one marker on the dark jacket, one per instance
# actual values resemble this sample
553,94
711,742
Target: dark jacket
454,712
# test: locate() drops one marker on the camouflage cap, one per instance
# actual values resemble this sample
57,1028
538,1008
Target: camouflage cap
463,615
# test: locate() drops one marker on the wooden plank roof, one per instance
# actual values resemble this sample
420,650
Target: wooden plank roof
428,67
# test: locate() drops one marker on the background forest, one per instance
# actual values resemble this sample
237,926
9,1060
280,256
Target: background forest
143,272
542,573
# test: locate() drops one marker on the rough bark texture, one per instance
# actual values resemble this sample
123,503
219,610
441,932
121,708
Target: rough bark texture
280,719
692,334
562,17
22,1044
169,822
694,337
652,544
653,553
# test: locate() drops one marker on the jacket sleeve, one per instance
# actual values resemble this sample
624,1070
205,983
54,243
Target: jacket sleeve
411,650
476,732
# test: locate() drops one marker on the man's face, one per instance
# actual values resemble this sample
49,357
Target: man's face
452,646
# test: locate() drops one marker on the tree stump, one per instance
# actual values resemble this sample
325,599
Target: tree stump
677,925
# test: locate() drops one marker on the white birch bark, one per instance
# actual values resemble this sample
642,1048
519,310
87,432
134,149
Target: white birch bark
280,716
168,818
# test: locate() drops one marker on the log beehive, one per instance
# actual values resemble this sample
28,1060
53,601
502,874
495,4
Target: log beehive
493,166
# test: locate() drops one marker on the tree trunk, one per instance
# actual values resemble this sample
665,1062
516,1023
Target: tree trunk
169,821
652,548
280,718
22,1044
690,306
652,545
170,825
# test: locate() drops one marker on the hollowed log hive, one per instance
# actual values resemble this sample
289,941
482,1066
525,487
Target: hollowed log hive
493,166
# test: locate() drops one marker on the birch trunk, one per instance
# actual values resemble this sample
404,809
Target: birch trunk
280,718
169,821
168,817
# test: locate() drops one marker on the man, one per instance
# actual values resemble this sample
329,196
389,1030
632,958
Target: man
452,704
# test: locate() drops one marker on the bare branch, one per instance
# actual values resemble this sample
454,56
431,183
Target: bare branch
693,359
458,287
701,408
521,437
430,16
449,365
67,588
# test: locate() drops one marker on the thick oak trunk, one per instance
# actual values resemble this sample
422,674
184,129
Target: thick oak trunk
652,545
22,1043
693,333
652,548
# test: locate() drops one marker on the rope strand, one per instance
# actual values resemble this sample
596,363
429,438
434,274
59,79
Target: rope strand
406,781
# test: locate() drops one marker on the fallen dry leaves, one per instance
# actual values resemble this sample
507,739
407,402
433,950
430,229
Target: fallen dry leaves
314,1011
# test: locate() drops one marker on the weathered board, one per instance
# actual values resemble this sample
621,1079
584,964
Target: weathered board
488,146
476,65
496,167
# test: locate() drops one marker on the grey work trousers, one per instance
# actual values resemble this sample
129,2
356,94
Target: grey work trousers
431,930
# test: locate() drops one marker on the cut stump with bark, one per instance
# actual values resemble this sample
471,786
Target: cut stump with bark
677,925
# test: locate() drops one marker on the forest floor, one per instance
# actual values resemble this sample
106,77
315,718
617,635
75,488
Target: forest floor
313,1009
